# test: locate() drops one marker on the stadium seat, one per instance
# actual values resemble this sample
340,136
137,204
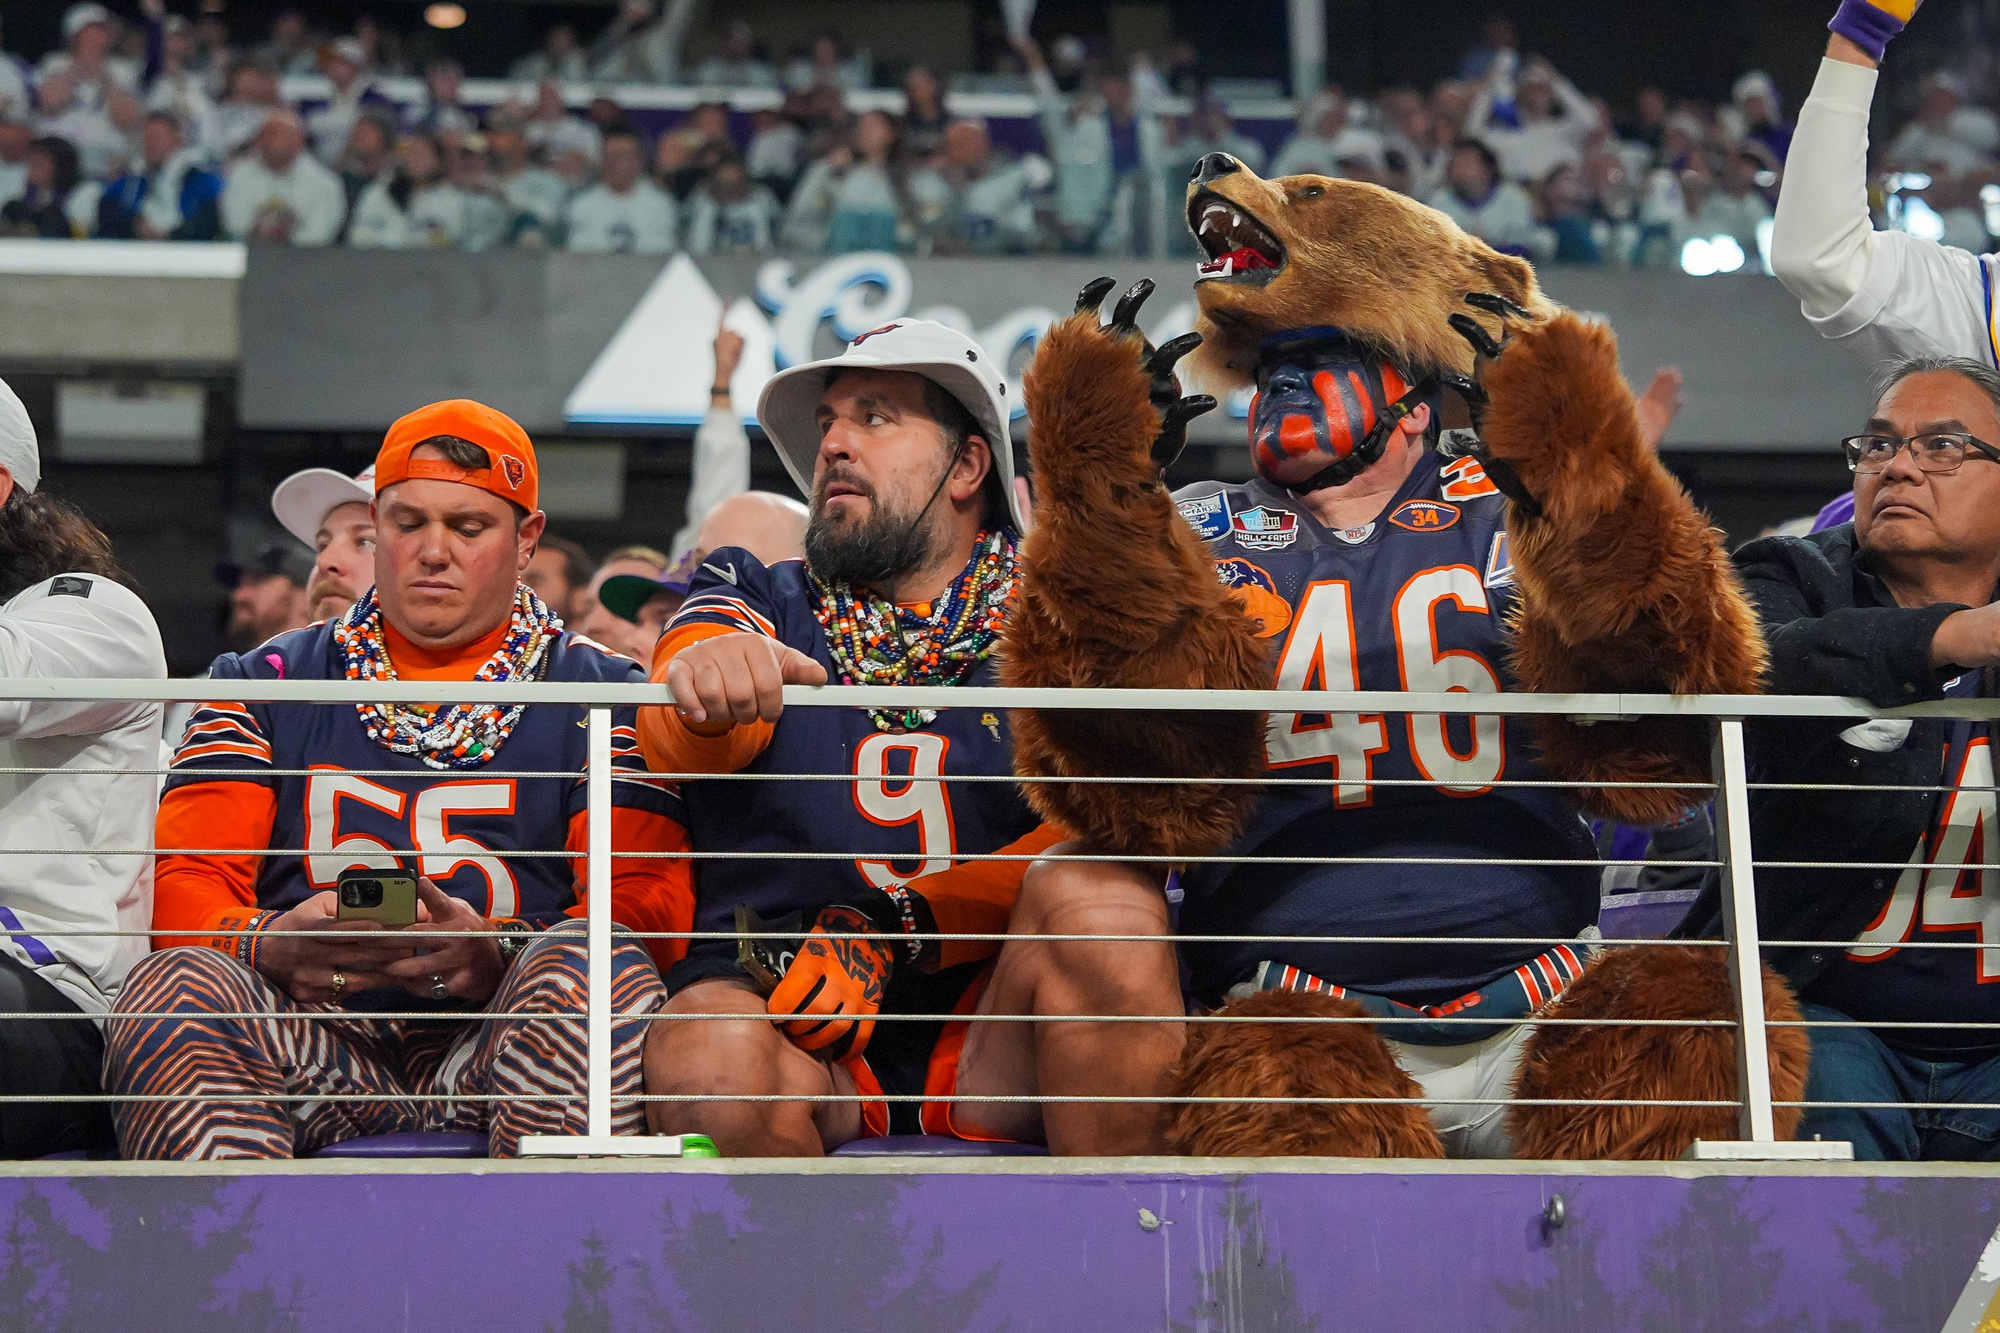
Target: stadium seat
1644,916
935,1145
444,1143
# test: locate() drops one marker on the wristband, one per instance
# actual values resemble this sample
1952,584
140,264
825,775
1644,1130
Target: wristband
1870,26
718,391
900,913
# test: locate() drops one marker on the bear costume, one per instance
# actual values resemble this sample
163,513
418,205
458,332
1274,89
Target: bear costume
1578,564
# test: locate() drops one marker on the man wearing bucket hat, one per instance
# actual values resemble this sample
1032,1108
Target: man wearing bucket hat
334,514
902,444
422,789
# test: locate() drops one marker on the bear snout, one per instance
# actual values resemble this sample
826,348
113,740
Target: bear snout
1213,165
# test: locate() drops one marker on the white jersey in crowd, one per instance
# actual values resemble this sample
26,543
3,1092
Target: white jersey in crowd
1884,294
535,193
85,119
82,627
641,221
1505,219
306,189
437,216
1310,155
751,223
993,214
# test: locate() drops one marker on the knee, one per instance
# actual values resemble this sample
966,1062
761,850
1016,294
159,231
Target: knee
562,954
697,1048
172,977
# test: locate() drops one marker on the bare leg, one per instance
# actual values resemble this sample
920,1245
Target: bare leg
1037,976
737,1058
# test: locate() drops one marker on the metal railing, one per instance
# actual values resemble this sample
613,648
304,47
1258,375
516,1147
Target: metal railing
1730,787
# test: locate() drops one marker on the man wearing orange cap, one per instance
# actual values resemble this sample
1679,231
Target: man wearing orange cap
454,794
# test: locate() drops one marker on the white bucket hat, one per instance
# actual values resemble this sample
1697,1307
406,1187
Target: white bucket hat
304,499
944,356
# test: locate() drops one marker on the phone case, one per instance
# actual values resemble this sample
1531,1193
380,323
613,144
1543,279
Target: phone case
399,902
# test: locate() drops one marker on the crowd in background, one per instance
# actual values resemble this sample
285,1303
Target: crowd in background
158,127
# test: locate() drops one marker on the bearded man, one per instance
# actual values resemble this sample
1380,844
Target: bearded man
909,566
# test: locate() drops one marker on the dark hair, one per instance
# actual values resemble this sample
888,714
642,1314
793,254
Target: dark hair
41,537
577,564
957,425
62,155
1486,154
1984,377
472,457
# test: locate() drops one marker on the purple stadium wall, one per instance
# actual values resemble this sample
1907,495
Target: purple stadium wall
879,1246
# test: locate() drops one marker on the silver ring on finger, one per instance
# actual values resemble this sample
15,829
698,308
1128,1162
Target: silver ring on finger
439,991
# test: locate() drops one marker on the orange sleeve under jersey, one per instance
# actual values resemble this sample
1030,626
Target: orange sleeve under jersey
666,741
194,894
647,892
977,897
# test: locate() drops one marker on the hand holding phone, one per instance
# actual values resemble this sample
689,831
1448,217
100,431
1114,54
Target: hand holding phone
387,896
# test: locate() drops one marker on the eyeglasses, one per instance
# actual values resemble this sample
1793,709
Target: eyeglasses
1944,452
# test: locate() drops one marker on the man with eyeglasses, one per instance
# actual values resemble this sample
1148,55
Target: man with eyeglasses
1896,607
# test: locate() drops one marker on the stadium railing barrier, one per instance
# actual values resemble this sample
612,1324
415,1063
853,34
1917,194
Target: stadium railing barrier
1730,788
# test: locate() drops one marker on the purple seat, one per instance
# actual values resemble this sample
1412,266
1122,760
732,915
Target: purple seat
82,1155
1644,916
935,1145
443,1143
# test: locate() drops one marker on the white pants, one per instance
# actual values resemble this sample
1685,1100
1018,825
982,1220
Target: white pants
1483,1070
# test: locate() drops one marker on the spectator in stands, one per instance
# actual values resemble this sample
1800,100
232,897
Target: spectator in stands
1649,118
969,202
1210,129
1495,210
85,93
1735,206
17,136
456,493
924,116
554,131
50,205
687,153
1547,120
647,604
334,514
171,197
776,153
637,49
829,64
769,526
624,212
559,571
1896,607
368,158
720,467
732,212
291,49
280,194
1182,72
1567,214
441,111
267,594
1948,133
853,198
414,208
1497,42
171,82
351,92
1754,114
1412,154
76,778
212,53
599,623
248,100
737,64
17,100
1326,138
535,196
558,59
1104,148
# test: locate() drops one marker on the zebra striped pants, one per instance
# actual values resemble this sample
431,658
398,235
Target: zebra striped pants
241,1067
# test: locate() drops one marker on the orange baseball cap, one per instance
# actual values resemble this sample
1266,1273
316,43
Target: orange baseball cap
511,475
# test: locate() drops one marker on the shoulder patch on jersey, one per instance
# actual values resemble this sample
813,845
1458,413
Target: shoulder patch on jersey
1424,515
1264,528
1253,586
69,585
1464,479
1208,515
1499,563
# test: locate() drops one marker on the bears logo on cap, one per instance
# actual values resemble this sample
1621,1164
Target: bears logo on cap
864,337
516,471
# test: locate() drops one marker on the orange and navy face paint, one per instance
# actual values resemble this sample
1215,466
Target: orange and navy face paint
1318,404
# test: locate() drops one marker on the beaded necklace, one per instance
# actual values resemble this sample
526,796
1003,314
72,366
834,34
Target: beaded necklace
875,642
456,735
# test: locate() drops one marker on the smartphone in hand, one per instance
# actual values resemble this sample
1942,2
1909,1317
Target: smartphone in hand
387,896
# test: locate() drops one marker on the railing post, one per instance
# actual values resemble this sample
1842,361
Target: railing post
597,860
1739,923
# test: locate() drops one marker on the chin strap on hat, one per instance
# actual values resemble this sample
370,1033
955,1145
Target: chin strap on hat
1370,449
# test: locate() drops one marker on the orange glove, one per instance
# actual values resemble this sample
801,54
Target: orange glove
837,984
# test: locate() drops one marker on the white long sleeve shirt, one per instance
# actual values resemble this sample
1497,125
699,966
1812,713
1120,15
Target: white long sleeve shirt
721,469
306,190
1883,294
84,627
641,221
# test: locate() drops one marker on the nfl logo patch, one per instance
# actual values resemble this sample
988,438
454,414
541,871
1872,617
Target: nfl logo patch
515,469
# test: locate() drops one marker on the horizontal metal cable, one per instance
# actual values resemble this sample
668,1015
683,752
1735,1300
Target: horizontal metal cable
1038,1100
1605,707
1001,937
661,1016
871,854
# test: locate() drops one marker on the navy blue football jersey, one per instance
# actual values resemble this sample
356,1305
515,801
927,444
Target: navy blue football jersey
1943,895
889,820
343,800
1416,600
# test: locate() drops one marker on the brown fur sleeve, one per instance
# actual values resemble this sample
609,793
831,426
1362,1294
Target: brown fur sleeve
1117,590
1624,585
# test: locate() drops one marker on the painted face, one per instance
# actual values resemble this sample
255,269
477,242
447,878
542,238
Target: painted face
1318,403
